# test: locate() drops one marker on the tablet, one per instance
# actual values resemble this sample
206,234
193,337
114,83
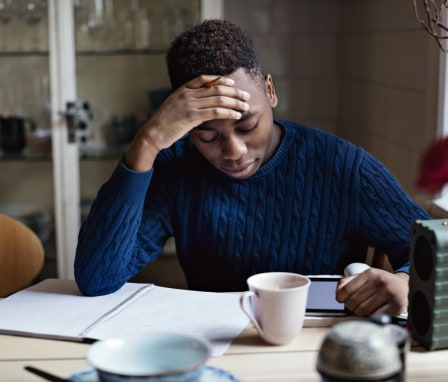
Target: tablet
322,297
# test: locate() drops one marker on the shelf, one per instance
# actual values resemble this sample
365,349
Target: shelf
24,54
17,157
118,52
112,154
100,156
124,52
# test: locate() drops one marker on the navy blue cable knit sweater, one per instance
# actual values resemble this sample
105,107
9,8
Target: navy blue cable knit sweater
301,212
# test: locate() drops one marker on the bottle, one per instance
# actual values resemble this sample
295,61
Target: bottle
142,30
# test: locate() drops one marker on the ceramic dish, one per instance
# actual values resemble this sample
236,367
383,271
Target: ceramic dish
209,374
149,356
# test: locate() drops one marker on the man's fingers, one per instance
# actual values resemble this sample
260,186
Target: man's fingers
209,81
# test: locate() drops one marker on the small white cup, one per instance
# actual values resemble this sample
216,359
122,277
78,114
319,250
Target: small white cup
278,305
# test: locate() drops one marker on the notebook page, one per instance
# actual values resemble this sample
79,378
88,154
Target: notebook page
55,308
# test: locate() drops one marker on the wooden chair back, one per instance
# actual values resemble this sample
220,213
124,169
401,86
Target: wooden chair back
21,255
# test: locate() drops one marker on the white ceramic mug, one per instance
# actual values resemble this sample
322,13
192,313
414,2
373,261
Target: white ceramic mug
278,304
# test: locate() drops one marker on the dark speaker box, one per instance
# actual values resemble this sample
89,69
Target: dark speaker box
428,285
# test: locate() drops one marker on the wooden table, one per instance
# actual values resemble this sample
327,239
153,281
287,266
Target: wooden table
248,358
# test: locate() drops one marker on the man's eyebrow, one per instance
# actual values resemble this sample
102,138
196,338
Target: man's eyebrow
203,127
247,115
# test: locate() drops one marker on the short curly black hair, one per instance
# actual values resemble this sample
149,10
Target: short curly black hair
211,47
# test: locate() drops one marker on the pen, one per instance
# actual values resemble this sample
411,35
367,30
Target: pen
211,83
44,374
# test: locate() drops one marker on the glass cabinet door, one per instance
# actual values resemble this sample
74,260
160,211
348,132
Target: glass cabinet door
26,181
79,77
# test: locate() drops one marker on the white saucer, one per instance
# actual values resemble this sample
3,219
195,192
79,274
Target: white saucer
209,374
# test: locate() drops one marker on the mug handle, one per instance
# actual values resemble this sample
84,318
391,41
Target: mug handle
244,299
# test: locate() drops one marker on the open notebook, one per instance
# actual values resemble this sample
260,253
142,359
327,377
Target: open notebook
55,308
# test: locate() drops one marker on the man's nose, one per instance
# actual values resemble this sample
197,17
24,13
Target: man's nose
234,148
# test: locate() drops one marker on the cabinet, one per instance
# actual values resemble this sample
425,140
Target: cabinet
108,56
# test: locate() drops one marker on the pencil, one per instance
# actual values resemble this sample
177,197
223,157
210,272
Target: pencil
211,83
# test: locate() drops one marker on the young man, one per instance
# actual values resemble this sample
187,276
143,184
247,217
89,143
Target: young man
243,193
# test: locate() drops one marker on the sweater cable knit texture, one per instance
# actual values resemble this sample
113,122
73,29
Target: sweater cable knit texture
301,212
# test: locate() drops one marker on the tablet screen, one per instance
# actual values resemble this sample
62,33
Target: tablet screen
321,296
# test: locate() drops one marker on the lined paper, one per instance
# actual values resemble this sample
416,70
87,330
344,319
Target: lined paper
55,308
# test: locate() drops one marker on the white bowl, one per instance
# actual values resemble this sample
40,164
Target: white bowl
149,356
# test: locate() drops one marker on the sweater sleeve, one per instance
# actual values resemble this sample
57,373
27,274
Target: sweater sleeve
108,252
386,212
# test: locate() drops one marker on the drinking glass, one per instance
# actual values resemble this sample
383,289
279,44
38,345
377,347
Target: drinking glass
33,12
6,15
97,24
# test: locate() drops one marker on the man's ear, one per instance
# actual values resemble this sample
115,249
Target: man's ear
270,91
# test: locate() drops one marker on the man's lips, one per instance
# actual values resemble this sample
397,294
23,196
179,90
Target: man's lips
238,169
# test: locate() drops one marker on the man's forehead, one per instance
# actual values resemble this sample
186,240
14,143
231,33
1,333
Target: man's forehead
207,124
